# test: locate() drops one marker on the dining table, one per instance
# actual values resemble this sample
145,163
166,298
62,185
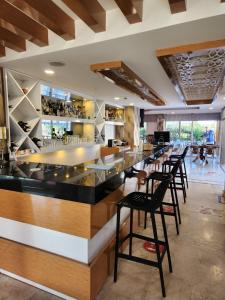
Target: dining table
203,150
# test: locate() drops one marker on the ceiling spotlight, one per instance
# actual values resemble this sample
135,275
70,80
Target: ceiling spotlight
211,108
172,112
49,72
131,104
116,98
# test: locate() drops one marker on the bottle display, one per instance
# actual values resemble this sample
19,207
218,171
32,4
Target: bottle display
114,114
62,108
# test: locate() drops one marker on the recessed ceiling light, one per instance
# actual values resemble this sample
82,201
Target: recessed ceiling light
172,112
131,104
49,72
211,108
116,98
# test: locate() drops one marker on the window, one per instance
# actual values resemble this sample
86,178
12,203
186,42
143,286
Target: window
59,126
186,131
192,131
174,128
204,131
55,93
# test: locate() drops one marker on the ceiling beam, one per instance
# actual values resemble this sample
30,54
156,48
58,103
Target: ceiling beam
177,6
49,14
91,12
12,41
222,1
2,50
199,101
132,9
28,28
190,48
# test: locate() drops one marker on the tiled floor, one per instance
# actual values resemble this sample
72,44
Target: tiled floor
202,172
198,255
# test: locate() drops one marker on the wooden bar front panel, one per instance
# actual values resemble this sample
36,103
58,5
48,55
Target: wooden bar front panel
60,215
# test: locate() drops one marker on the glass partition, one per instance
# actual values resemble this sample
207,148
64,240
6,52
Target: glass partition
192,132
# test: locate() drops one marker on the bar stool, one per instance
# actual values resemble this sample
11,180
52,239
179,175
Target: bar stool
179,185
147,203
182,157
159,176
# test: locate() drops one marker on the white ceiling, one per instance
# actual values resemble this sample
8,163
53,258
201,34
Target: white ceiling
136,50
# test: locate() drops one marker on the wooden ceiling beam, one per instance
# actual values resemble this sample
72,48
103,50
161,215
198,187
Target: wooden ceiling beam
190,48
177,6
2,50
49,14
132,9
91,12
28,28
12,41
199,101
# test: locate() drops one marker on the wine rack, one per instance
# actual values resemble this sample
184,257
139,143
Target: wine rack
25,115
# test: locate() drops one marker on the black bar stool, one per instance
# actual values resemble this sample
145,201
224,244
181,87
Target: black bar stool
182,157
160,176
180,185
147,203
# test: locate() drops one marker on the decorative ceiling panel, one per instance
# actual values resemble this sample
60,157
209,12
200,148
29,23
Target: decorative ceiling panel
120,74
197,75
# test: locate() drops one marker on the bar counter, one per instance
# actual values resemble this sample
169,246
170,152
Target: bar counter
57,223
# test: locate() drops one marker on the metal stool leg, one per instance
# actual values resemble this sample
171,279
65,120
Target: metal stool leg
185,172
174,207
158,254
176,199
166,240
131,231
117,244
182,182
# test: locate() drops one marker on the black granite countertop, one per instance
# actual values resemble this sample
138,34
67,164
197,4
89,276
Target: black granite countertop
88,182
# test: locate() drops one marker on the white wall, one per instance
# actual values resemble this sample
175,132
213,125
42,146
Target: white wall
151,127
110,132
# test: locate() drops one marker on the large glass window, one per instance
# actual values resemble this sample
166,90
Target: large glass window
186,131
192,131
174,128
204,131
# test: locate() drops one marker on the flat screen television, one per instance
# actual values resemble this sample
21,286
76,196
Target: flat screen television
162,137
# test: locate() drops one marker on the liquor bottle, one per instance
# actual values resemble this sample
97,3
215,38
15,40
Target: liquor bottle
24,126
37,142
53,134
65,137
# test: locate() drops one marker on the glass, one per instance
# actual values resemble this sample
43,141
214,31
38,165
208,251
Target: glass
204,132
174,128
186,131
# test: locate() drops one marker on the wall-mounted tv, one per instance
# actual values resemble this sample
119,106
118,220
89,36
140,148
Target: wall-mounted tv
162,137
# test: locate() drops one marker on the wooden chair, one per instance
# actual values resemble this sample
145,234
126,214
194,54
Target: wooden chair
141,178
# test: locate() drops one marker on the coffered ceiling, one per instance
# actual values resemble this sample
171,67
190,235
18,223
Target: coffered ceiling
197,71
108,30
